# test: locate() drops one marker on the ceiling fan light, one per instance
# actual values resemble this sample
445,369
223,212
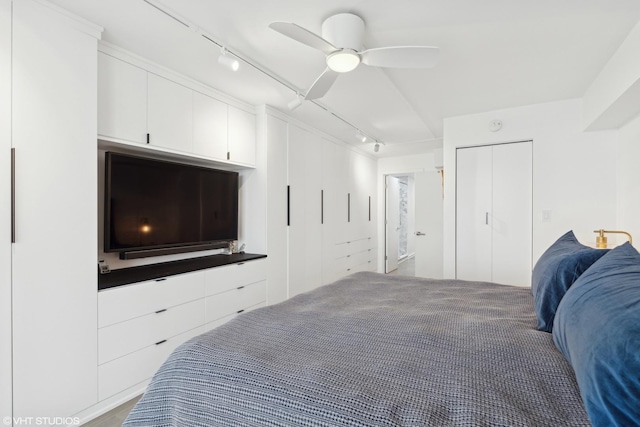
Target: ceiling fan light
343,61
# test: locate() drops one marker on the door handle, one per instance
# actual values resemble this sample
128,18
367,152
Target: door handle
420,233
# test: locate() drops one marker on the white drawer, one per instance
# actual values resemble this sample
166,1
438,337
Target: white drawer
235,300
221,279
137,299
221,321
134,368
126,337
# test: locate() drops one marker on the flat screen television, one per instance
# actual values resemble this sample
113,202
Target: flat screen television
155,207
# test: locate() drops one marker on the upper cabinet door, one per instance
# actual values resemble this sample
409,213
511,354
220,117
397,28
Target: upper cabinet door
122,100
209,127
242,136
170,114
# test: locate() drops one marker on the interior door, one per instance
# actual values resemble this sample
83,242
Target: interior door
393,223
428,225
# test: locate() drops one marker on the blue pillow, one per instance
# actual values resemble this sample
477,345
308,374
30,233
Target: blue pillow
597,328
556,270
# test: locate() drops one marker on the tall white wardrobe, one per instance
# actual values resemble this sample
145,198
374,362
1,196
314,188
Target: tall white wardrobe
494,213
321,199
48,277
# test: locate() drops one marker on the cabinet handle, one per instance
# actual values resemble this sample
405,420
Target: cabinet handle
369,208
239,264
13,195
148,138
486,218
161,342
240,311
348,207
321,206
161,311
240,287
288,205
161,279
228,155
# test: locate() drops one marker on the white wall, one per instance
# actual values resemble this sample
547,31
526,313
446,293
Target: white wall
573,171
613,98
628,179
396,166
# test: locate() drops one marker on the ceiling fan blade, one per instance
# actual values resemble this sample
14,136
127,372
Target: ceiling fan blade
303,36
401,56
322,84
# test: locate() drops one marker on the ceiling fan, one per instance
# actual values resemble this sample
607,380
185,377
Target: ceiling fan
341,42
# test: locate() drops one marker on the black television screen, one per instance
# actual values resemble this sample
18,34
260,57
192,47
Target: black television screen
154,204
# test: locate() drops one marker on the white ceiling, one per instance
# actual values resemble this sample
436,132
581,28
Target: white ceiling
494,54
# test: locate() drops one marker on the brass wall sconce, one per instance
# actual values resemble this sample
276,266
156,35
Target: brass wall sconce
601,239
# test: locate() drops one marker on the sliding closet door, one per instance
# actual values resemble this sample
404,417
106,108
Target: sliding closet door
473,213
511,214
5,208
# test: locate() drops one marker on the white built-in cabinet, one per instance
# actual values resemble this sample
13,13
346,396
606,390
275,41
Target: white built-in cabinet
306,209
139,106
53,264
320,199
140,324
169,114
5,209
210,128
494,213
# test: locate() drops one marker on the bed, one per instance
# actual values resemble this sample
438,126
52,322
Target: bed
372,350
376,350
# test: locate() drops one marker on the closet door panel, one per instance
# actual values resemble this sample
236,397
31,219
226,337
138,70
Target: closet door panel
473,209
277,262
54,123
5,208
305,230
511,217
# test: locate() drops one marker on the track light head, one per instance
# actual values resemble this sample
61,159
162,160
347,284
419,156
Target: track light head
228,61
376,148
362,137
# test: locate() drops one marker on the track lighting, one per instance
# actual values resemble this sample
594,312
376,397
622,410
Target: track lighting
228,61
376,148
362,137
295,103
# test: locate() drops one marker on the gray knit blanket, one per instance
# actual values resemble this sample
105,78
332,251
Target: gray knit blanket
372,350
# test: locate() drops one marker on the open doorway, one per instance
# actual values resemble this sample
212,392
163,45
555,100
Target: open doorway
400,224
413,224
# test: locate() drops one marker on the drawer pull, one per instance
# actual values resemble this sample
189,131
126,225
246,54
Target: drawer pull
240,287
161,342
161,280
240,311
161,311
